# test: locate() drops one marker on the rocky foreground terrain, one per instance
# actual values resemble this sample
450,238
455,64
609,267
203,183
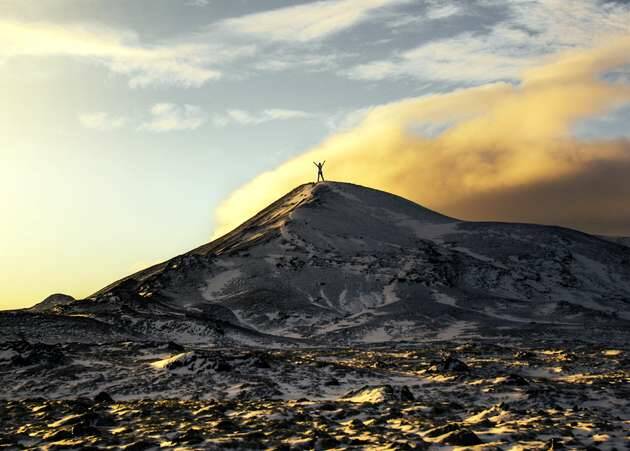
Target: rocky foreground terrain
483,395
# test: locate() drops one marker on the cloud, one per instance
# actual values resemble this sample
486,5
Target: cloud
283,58
442,11
466,58
188,64
167,117
343,121
435,10
101,121
506,152
307,22
533,30
242,117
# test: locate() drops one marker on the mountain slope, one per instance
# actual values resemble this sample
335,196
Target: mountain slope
338,263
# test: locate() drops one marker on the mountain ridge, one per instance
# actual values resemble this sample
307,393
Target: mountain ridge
334,262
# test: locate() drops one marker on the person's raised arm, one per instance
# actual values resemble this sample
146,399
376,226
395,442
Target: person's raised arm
324,163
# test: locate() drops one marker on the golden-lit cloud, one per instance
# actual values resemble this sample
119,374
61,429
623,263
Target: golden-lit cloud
507,152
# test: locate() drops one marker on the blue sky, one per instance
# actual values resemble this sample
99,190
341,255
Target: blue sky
126,124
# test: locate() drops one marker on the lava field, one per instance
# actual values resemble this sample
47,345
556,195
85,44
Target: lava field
547,395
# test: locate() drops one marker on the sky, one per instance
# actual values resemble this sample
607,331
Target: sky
132,131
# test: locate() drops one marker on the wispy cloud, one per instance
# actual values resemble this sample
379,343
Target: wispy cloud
534,29
167,117
182,63
101,121
347,120
242,117
441,10
434,11
465,58
198,2
309,21
283,58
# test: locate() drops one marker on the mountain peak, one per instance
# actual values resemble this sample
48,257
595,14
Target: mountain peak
330,208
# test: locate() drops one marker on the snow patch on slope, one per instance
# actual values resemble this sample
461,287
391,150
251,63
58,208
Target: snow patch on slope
218,283
443,298
456,330
432,232
389,294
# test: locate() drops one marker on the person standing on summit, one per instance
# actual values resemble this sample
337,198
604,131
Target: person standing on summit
320,170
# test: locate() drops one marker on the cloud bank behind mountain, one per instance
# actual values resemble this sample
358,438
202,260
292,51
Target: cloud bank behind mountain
502,151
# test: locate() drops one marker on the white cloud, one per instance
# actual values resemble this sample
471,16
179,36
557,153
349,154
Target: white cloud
242,117
435,10
170,117
442,11
534,30
347,120
283,58
182,63
309,21
462,59
101,121
280,114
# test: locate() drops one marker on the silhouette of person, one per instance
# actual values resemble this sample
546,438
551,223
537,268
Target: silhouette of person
320,170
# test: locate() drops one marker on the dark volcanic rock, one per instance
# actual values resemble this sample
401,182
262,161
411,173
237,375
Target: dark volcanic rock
515,379
461,437
103,398
380,393
171,346
227,425
41,354
61,434
441,430
190,436
141,445
81,429
449,365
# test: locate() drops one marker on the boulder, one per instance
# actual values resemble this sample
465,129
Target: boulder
379,393
103,398
460,437
449,365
